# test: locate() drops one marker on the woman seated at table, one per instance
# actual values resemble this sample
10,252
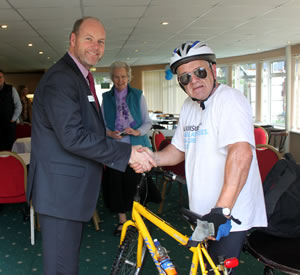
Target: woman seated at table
127,120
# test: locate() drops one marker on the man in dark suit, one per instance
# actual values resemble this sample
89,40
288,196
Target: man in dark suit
69,149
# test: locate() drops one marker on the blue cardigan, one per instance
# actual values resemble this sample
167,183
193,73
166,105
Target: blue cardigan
133,102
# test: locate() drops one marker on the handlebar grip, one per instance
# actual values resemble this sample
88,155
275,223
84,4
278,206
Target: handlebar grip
190,216
174,177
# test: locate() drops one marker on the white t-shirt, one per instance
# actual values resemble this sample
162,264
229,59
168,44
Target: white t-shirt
204,136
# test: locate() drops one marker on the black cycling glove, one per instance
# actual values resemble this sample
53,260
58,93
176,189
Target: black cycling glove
222,225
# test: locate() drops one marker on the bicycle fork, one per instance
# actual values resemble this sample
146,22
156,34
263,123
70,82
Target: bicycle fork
198,259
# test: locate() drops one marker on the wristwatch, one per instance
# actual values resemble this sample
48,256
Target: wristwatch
225,211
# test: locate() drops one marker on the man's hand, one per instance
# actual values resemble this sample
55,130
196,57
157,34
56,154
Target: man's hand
222,224
141,159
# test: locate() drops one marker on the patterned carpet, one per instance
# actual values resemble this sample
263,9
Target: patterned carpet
19,257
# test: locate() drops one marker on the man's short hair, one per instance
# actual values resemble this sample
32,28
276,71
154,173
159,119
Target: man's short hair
78,23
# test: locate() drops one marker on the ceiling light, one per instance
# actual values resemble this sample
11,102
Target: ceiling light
4,26
93,69
164,23
136,50
289,42
30,96
41,52
30,45
48,57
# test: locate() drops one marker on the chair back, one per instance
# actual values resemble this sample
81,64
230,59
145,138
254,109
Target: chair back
267,156
260,135
157,138
278,138
13,179
178,169
23,130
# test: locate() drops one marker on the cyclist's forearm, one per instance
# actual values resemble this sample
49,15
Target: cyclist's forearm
169,156
236,172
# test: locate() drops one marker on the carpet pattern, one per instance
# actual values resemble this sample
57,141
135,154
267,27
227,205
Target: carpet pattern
98,249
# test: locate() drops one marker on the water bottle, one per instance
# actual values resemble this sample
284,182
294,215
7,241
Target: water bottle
165,261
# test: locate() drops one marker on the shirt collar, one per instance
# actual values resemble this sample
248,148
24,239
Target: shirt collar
83,70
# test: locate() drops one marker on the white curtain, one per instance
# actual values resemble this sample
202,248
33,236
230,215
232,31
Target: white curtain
161,94
296,97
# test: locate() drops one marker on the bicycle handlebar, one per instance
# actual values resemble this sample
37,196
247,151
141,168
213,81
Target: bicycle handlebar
169,174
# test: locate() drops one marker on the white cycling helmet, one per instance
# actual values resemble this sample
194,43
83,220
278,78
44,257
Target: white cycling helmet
189,51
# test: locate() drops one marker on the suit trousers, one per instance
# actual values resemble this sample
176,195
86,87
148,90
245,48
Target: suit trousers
61,240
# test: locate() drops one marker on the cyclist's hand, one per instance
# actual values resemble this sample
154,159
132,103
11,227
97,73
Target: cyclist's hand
222,224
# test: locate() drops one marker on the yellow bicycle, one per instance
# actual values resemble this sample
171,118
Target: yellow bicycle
136,239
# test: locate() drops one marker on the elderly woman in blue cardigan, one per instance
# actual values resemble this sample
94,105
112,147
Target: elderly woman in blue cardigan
126,117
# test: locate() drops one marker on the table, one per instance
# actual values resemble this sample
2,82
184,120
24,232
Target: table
169,124
25,157
22,145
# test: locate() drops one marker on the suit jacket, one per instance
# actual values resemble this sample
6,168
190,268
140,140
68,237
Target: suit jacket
69,146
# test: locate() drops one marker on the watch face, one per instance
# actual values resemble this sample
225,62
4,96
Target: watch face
226,211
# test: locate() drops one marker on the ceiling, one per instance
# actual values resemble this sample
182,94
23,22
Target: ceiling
134,32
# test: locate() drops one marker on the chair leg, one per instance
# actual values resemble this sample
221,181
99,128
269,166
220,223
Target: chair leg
32,225
96,220
163,194
169,187
38,226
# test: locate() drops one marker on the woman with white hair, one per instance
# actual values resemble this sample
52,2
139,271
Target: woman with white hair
127,120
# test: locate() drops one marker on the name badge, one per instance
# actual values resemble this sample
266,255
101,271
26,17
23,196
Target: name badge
91,98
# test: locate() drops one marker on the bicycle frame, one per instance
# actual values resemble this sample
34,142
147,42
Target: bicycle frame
139,211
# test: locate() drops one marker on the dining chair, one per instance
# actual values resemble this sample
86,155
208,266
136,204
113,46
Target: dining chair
13,183
267,156
23,130
157,138
260,135
278,138
178,169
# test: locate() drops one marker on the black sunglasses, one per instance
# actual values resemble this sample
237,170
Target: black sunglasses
186,78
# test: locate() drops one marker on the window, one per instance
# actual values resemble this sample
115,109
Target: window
296,97
161,94
103,84
244,79
222,73
273,93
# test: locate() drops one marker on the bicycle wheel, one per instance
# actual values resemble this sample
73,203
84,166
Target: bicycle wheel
125,260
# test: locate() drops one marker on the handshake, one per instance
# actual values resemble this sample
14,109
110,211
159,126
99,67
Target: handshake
141,159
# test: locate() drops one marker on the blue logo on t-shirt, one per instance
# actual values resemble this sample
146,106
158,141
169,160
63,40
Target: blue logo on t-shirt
191,133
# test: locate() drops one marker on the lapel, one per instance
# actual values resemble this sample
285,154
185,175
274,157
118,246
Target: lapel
70,62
